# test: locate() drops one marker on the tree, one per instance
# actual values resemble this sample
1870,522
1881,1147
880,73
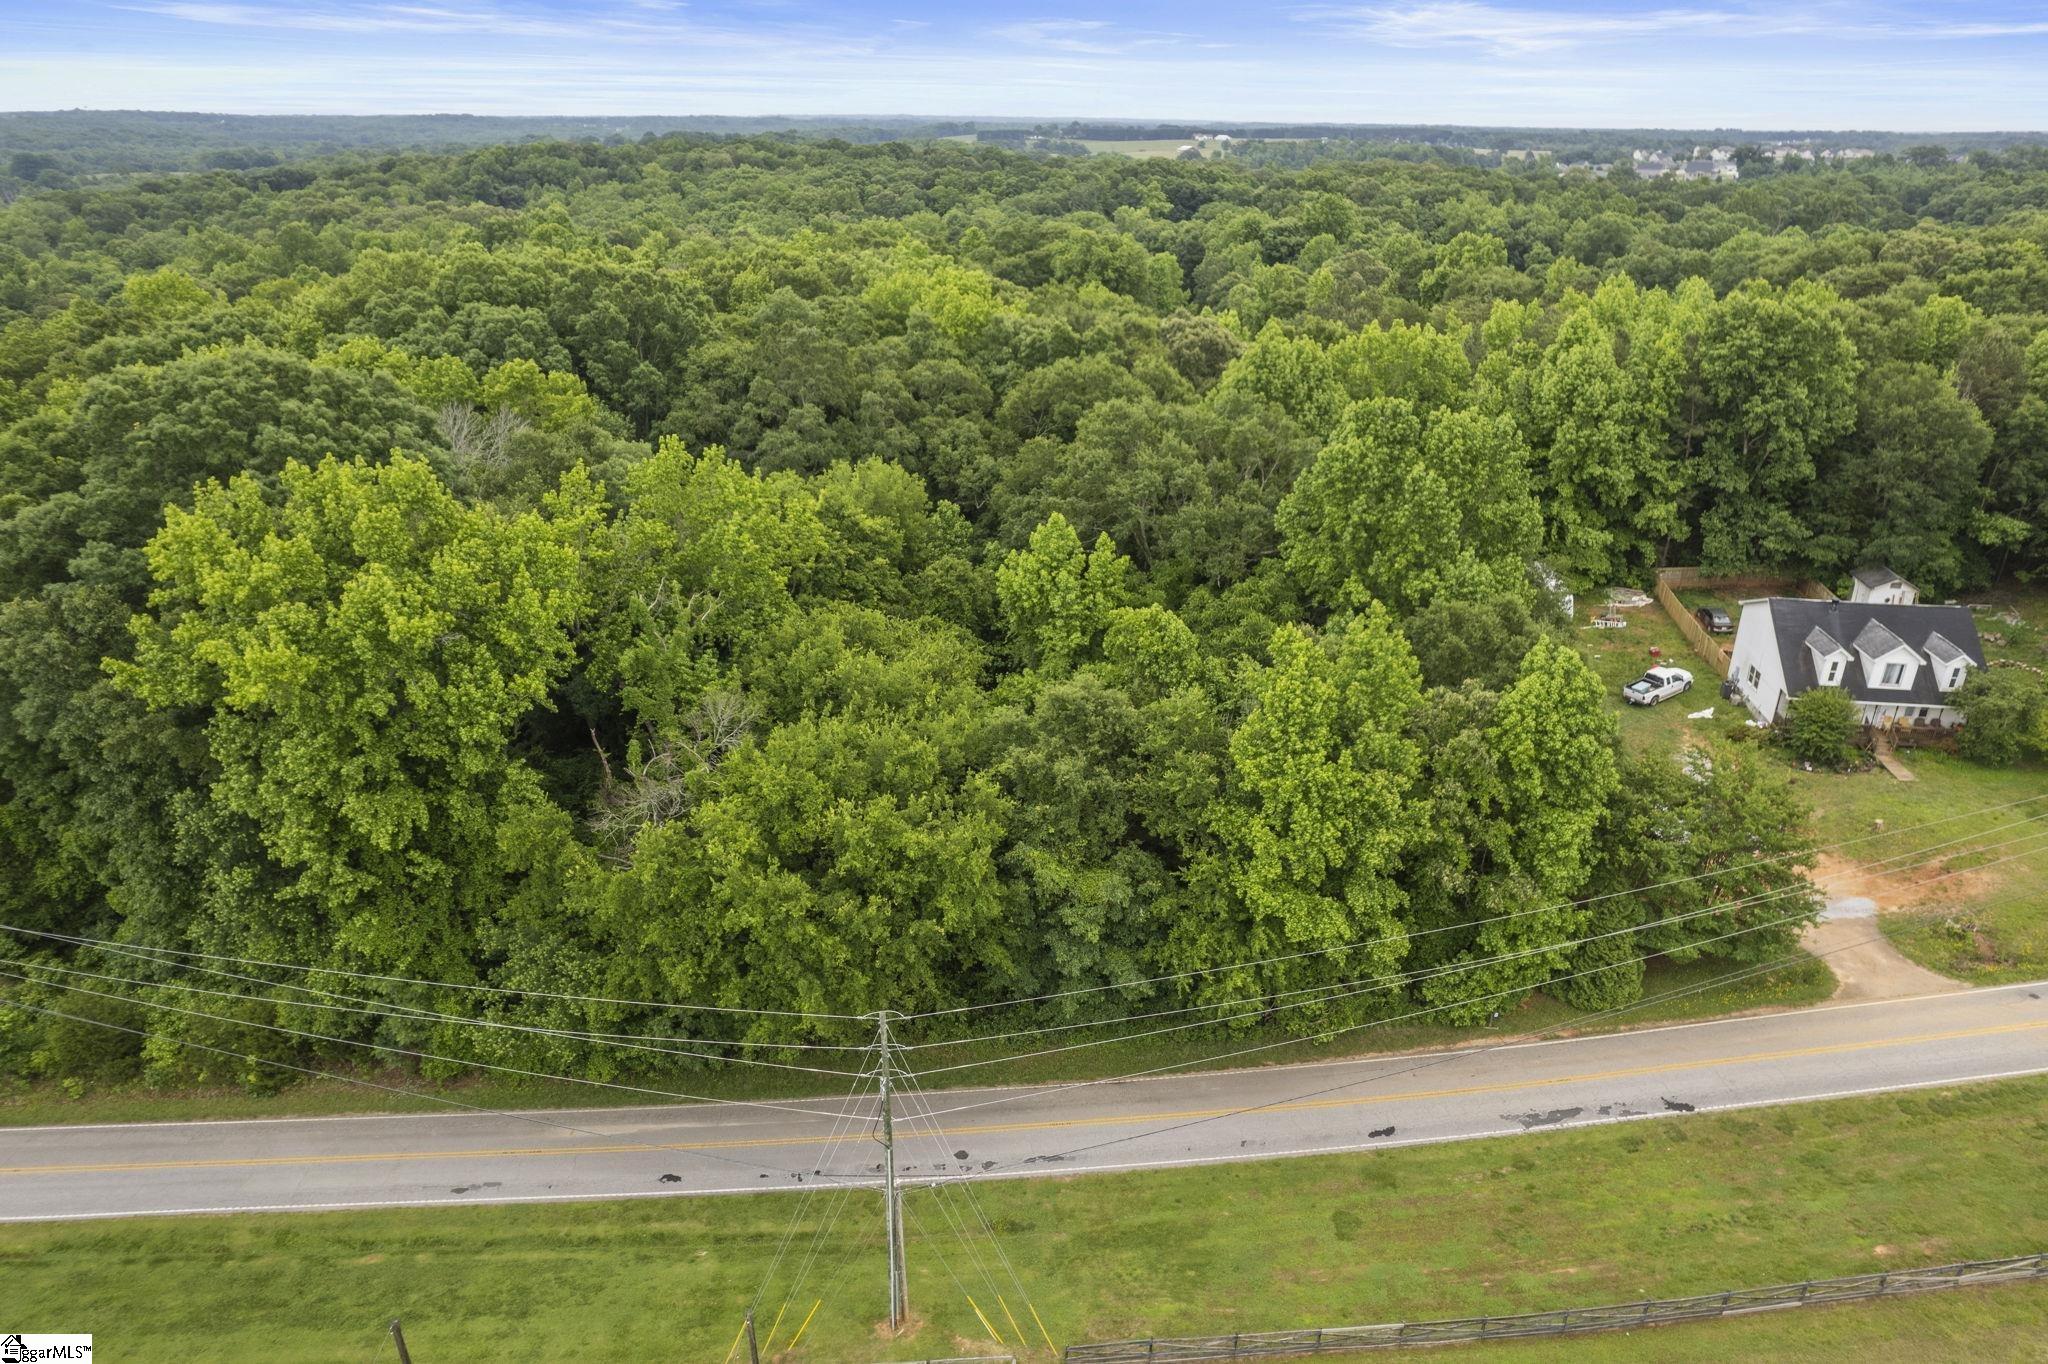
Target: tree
1055,597
1777,383
361,651
1910,485
1551,744
1401,508
1484,641
2005,716
1820,726
1324,771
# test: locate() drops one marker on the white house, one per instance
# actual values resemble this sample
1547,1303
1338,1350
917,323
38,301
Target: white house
1898,661
1879,584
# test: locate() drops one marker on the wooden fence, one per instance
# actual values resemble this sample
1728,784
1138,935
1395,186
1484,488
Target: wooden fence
1570,1321
1715,653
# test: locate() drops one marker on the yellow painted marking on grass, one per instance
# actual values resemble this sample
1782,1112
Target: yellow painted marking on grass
807,1323
1055,1124
1041,1329
993,1334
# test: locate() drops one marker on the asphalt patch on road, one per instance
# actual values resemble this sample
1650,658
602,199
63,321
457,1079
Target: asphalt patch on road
1547,1119
1676,1106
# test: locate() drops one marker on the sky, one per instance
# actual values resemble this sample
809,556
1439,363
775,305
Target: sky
1932,66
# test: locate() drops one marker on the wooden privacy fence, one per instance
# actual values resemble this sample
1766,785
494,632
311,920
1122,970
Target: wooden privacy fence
1669,580
1570,1321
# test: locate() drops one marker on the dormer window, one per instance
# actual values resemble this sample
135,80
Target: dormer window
1955,679
1834,673
1894,673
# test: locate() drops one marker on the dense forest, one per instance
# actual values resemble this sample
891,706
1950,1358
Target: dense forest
815,577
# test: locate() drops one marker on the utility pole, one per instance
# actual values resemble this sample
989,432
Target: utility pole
753,1347
398,1339
892,1198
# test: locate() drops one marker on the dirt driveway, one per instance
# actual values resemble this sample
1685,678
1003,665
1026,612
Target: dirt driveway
1865,964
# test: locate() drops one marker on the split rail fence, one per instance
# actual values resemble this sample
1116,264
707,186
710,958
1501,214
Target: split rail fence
1570,1321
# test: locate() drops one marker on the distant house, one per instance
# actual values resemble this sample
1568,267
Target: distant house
1899,661
1879,584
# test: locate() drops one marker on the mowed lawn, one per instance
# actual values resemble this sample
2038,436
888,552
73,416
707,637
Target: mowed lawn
1980,928
1655,1208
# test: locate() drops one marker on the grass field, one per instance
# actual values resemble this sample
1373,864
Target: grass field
1150,146
1620,656
1510,1224
1687,991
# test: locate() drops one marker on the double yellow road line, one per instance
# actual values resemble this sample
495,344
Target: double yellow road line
1048,1125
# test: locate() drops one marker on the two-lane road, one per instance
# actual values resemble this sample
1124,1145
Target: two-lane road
471,1158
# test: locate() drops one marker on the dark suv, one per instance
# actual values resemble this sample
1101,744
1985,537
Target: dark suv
1714,620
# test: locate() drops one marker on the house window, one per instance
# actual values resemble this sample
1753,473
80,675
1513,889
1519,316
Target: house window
1834,672
1892,673
1955,679
1756,679
1921,714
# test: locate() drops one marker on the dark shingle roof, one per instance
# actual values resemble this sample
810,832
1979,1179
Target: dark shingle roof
1876,575
1940,649
1825,643
1794,618
1876,639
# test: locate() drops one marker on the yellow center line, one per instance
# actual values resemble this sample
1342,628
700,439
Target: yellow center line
990,1129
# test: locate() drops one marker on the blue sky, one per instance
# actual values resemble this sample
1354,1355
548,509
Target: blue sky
1933,65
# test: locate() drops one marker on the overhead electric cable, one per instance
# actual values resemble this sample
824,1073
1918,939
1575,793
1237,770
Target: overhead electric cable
1539,909
141,953
406,1051
1427,1063
367,1084
452,985
1520,990
423,1017
1341,990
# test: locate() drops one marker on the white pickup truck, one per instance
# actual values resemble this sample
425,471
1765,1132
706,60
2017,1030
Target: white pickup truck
1658,684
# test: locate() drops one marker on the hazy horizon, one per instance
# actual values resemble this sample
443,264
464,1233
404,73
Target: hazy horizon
1960,68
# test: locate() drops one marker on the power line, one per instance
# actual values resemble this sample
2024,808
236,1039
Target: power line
1341,990
966,1188
139,952
358,1080
1414,1014
1539,909
451,985
421,1016
842,1196
406,1051
1739,974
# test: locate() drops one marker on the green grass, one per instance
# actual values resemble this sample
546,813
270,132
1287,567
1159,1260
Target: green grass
2019,619
1651,1209
1149,146
2008,1323
1618,657
1804,982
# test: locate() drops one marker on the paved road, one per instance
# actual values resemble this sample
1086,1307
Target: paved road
462,1159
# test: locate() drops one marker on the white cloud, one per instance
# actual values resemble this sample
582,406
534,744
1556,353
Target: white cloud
1519,32
1450,23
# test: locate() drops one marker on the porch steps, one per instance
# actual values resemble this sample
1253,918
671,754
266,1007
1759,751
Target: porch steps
1887,758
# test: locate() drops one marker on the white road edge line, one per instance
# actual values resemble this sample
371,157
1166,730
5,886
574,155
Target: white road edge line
1048,1173
1376,1058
